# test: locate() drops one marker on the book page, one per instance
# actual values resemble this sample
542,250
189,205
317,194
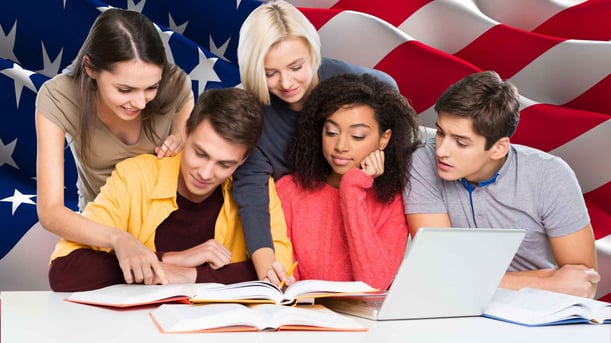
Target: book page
265,292
305,317
321,288
244,292
123,295
535,306
196,318
216,317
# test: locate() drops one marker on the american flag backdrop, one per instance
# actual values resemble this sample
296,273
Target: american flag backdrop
558,54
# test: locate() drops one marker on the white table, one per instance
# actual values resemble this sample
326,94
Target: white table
45,317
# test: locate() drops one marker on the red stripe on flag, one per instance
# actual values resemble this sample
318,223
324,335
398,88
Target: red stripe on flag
595,99
597,202
422,72
547,127
590,20
319,17
506,50
394,12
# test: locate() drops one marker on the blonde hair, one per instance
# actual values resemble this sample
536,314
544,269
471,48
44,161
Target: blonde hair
267,25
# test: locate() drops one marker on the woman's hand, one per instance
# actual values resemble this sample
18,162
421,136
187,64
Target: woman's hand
278,276
373,164
170,147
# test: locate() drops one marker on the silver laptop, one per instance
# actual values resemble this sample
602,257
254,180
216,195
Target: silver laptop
445,273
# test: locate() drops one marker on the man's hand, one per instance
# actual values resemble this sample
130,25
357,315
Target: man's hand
138,263
577,280
211,252
177,274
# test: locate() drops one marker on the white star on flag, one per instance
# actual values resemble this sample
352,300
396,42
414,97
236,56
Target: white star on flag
165,39
6,154
131,5
18,198
50,69
178,28
204,71
219,51
7,43
21,77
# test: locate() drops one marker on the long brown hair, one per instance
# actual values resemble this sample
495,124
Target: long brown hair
119,35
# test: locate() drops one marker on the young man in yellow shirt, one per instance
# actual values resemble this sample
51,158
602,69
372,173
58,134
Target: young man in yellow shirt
176,216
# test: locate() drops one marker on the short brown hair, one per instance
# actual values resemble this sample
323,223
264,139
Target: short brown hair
234,113
493,105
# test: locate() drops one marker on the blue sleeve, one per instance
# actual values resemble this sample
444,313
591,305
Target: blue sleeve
331,67
250,190
383,76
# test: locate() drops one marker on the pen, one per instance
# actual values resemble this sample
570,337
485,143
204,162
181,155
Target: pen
289,273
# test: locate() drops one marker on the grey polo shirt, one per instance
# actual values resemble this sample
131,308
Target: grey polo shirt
533,190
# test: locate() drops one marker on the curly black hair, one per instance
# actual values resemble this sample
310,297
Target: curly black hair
392,111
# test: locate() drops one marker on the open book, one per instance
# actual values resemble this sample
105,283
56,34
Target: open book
124,295
175,318
536,307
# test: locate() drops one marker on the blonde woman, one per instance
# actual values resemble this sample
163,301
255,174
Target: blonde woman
280,63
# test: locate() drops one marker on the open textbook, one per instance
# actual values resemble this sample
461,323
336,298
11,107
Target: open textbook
180,318
124,295
536,307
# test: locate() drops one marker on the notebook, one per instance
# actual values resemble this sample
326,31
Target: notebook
444,273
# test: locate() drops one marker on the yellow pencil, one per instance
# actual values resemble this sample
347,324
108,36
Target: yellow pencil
289,273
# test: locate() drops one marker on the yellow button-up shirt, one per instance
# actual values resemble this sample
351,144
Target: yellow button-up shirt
141,193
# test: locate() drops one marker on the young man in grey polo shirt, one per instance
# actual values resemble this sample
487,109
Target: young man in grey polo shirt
470,175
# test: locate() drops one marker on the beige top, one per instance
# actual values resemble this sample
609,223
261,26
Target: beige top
59,101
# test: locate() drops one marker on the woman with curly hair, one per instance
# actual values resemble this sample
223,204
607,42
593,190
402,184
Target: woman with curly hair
349,158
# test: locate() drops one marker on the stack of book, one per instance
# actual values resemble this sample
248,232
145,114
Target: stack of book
245,306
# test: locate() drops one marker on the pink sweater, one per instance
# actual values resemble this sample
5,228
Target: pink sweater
344,234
